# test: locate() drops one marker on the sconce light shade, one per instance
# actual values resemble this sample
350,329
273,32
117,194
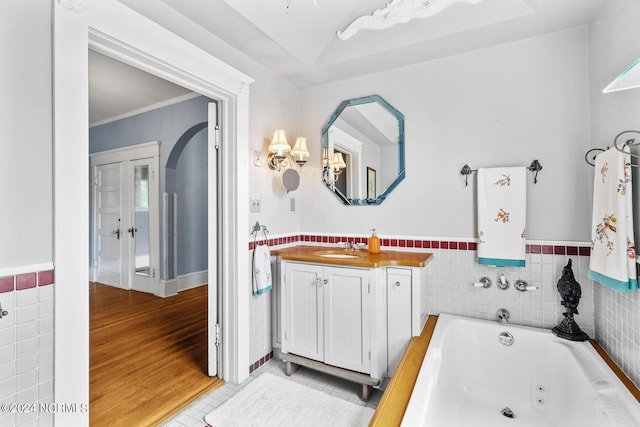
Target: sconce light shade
338,161
300,151
279,142
278,149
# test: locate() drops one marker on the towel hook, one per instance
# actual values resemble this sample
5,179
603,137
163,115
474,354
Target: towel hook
466,171
535,167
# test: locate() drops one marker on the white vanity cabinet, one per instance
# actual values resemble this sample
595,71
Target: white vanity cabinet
327,314
347,313
350,314
399,314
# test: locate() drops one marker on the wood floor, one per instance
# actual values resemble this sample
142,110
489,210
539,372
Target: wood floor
148,355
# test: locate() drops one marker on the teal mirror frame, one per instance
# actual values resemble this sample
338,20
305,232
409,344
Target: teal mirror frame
380,197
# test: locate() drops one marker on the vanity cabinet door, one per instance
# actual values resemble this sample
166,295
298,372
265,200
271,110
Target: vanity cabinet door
303,320
346,318
398,315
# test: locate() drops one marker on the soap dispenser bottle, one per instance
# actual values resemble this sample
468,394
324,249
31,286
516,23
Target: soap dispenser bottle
374,243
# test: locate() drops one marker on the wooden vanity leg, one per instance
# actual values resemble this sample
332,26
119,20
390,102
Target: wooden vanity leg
367,391
291,368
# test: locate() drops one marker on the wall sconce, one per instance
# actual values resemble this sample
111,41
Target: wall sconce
333,167
300,151
280,151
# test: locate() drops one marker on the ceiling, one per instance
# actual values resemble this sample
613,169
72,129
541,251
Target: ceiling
299,43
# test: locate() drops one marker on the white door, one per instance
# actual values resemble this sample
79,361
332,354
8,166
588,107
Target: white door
126,217
142,228
108,225
214,181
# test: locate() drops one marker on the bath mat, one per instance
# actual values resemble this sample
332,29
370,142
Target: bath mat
273,401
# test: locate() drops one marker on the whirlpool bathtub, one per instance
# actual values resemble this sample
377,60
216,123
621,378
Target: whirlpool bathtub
483,373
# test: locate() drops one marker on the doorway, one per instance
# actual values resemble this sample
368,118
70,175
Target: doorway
125,217
131,227
110,27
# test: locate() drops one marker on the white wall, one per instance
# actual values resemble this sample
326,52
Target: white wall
500,106
26,247
274,104
25,149
614,43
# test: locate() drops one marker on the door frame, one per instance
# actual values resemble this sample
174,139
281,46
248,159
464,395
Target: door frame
112,28
125,155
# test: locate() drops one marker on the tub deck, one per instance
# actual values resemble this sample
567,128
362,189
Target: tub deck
395,399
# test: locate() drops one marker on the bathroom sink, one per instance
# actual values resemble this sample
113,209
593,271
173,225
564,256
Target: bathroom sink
338,254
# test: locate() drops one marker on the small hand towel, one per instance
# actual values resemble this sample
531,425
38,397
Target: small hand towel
502,203
613,255
261,269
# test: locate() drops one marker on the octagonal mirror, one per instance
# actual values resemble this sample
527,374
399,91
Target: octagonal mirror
363,150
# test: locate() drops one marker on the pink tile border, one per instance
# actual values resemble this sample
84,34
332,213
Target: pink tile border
424,244
45,278
6,284
264,359
24,281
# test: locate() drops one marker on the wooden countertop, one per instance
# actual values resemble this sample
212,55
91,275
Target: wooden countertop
395,399
352,258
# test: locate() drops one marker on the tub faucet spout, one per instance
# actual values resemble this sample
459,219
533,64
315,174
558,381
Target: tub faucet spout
503,315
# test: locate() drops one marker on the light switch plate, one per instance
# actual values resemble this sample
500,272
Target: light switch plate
255,204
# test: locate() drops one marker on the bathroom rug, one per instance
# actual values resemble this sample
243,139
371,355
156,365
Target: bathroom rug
273,401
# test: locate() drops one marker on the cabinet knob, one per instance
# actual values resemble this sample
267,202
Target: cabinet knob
321,281
398,283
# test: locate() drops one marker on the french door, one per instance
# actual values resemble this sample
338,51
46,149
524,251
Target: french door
108,224
125,217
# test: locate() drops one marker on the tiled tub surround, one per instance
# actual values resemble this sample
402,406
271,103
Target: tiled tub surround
610,317
26,345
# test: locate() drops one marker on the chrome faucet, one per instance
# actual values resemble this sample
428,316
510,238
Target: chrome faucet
347,245
503,315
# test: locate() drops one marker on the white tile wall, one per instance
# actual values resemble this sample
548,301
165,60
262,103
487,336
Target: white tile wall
451,274
260,326
612,318
618,328
26,354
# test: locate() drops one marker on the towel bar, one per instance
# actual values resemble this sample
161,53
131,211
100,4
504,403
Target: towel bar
630,142
535,166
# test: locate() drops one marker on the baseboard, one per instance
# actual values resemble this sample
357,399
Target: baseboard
264,359
192,280
168,288
183,283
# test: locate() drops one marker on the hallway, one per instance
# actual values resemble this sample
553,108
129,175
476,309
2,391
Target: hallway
148,355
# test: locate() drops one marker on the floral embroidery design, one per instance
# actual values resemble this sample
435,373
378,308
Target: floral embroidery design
479,237
602,235
622,182
631,250
603,171
504,181
502,216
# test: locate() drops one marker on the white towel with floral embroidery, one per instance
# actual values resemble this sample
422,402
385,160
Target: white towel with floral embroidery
261,269
613,255
502,202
